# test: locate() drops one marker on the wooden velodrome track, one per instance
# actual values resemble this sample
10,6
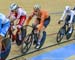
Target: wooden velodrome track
50,6
16,55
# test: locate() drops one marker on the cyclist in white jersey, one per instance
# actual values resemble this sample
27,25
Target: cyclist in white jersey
70,17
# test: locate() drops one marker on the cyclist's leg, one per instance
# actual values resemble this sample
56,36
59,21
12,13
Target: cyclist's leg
34,24
70,28
47,21
13,30
12,36
66,21
10,29
21,22
70,25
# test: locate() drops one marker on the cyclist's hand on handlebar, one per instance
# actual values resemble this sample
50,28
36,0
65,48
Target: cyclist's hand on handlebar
34,26
25,27
1,37
59,22
18,26
38,26
14,27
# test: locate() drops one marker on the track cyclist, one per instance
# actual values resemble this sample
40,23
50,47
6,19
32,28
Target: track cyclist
4,26
42,19
69,20
19,14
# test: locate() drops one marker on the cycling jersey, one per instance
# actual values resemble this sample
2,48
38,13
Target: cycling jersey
4,24
43,15
20,14
70,13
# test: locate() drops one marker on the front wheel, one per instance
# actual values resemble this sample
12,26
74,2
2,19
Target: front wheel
26,44
60,35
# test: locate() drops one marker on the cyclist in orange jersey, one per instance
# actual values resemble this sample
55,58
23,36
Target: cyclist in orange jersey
41,22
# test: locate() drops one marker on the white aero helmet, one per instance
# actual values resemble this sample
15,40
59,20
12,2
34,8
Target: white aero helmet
13,6
36,7
67,8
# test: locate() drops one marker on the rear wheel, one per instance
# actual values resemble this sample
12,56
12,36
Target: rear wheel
6,49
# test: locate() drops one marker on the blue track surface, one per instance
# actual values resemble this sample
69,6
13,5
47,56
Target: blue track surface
57,54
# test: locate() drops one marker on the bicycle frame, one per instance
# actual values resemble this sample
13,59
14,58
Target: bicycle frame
63,31
28,40
33,34
65,26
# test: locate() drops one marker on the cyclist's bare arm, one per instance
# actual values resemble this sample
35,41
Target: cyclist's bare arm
29,18
63,15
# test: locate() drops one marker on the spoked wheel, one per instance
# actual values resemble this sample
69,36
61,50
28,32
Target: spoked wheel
26,44
5,48
60,35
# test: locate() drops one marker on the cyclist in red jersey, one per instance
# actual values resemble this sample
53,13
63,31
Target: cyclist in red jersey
19,14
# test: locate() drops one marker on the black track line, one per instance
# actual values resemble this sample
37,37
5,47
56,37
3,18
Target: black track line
40,49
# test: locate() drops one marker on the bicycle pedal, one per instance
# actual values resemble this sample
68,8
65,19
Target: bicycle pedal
34,42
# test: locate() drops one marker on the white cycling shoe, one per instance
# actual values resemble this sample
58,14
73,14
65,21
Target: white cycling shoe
38,46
